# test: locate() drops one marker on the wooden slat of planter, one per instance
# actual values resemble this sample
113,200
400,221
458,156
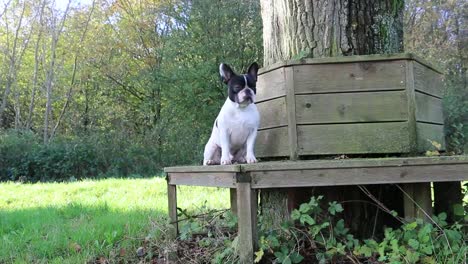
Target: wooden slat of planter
272,142
270,85
429,132
360,76
209,179
355,107
273,113
291,109
412,134
429,109
355,176
427,81
353,138
345,59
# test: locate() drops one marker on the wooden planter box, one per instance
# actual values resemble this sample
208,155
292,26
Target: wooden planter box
349,105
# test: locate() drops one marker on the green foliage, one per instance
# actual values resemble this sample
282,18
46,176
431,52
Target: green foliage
456,113
145,92
24,158
323,232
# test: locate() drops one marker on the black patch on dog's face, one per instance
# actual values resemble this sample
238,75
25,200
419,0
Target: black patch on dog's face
237,83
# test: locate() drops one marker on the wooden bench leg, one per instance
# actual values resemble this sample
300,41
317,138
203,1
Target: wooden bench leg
247,215
417,194
233,198
446,195
172,200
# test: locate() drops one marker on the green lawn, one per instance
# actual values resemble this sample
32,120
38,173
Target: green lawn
81,221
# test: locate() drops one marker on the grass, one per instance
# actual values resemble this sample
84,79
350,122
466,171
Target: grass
81,221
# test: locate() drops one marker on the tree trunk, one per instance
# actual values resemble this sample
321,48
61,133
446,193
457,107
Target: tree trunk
50,73
36,66
295,29
12,71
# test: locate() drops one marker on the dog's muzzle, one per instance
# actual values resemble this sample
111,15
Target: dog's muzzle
246,96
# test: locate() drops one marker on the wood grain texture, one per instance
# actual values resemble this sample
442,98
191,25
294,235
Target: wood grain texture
429,132
354,176
172,209
356,58
410,92
270,85
272,143
347,77
208,179
273,113
247,207
233,200
199,168
353,138
428,81
429,109
354,163
291,114
352,107
416,200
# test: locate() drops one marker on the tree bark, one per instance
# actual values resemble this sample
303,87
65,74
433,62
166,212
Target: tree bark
328,28
295,29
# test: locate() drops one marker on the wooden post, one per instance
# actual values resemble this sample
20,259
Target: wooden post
291,112
247,215
233,198
172,202
446,195
417,194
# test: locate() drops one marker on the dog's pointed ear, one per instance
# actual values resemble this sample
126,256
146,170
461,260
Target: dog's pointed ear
226,72
253,70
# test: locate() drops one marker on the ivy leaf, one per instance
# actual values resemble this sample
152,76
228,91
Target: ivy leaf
296,257
304,208
364,250
426,249
458,210
442,216
286,260
413,243
411,226
334,208
307,219
295,214
258,256
279,255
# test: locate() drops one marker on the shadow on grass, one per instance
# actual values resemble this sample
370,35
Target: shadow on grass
75,233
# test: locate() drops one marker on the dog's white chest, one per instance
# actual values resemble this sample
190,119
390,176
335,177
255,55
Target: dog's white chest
239,122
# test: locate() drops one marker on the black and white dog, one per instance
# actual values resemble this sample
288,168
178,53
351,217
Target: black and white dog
235,129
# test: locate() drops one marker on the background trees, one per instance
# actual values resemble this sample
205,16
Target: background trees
130,86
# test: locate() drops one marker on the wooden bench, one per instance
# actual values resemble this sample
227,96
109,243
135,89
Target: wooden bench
414,174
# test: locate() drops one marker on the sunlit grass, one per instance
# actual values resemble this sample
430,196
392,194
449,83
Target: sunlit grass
80,221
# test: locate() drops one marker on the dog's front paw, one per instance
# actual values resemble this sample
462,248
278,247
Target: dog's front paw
251,159
226,162
210,162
